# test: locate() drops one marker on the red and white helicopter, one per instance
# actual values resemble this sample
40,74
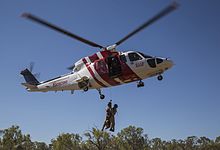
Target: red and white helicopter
106,68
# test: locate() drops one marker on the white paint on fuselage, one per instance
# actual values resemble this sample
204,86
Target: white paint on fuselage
143,70
70,81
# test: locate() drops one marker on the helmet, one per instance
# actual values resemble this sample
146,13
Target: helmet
110,103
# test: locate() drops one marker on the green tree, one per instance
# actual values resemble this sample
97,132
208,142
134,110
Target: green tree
132,138
67,142
14,139
157,144
98,140
191,143
1,144
11,138
115,143
217,140
217,143
41,146
205,143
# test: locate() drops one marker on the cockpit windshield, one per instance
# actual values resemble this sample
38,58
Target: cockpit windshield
71,67
145,56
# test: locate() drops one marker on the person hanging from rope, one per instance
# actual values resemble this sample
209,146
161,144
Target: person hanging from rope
107,122
112,117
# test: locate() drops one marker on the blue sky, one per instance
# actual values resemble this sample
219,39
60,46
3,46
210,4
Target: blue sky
185,103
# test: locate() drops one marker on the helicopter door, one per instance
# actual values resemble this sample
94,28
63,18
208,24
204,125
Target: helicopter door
100,67
114,66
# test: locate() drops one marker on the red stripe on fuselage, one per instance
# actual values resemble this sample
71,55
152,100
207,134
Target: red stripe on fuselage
92,73
93,57
105,76
127,73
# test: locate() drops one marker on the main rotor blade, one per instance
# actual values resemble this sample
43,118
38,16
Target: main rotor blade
161,14
56,28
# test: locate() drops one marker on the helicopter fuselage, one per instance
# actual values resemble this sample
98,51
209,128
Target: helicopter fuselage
105,69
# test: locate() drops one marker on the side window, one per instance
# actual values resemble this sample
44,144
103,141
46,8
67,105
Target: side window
159,60
123,58
134,57
100,67
151,63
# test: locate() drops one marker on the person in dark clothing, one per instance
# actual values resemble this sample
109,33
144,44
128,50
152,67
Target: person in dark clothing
114,66
107,122
112,118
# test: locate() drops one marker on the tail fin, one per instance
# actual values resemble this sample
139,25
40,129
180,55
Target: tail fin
29,77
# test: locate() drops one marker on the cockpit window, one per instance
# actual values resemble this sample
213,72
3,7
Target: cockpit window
151,63
134,56
76,69
123,58
71,67
159,60
145,56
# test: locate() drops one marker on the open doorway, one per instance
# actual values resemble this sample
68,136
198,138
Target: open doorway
114,66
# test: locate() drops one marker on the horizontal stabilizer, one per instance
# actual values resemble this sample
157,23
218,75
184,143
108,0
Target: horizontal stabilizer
29,86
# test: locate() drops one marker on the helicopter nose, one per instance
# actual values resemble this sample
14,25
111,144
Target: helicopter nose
168,63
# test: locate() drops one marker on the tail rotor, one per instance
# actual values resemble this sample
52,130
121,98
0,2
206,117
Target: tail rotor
29,77
31,68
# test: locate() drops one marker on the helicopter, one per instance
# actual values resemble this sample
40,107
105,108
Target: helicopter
106,68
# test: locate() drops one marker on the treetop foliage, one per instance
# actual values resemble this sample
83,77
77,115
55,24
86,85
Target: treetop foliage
130,138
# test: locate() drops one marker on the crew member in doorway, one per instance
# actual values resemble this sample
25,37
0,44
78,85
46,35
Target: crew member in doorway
114,66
